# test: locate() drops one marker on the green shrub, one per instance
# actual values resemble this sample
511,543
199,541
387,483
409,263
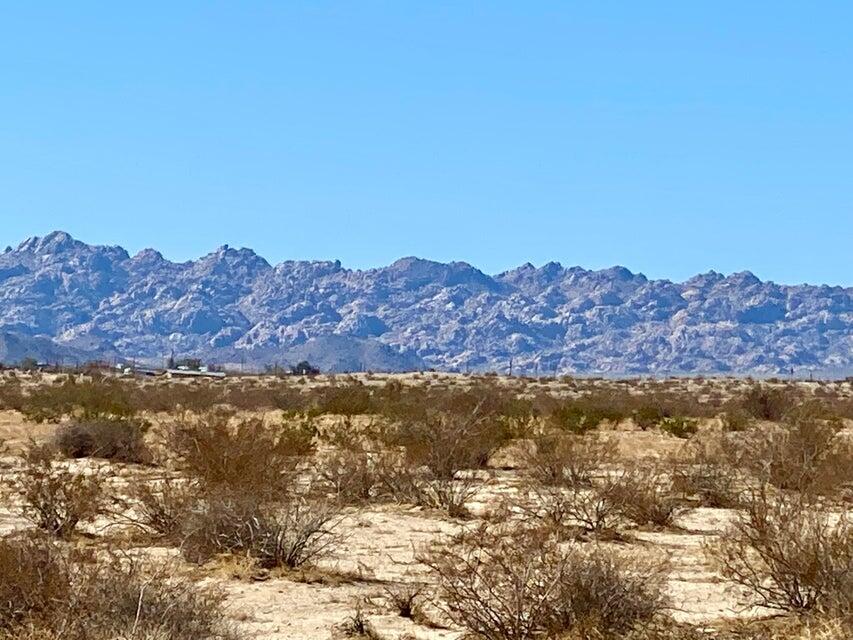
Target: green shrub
679,427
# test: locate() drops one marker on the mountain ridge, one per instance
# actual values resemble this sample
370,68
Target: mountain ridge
232,305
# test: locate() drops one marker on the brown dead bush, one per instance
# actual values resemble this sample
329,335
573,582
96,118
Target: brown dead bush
563,485
35,581
118,440
791,554
241,455
407,598
161,506
707,475
439,457
645,496
54,498
805,453
44,594
504,584
560,460
353,476
290,535
766,403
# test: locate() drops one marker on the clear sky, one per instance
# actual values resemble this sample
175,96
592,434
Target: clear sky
669,137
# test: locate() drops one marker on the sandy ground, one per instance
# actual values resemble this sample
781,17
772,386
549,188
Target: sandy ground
380,544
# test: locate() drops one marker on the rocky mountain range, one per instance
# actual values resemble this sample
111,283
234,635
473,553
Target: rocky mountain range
62,298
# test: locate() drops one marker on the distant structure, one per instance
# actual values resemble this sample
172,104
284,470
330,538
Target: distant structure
191,368
304,368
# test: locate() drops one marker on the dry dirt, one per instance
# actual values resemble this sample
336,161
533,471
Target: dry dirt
381,542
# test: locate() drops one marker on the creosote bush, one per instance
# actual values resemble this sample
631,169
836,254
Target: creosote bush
94,399
562,460
678,426
35,580
438,457
766,403
708,475
505,584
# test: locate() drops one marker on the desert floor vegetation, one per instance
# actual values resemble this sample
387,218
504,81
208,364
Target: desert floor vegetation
430,506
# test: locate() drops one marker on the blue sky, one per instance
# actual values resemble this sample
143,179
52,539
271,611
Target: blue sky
669,137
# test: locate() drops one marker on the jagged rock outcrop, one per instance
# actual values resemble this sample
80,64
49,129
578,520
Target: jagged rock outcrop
233,306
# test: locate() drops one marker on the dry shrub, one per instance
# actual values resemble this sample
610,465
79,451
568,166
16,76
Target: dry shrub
290,535
736,419
120,598
503,584
44,593
440,454
407,599
707,475
581,416
35,581
804,627
345,400
357,626
791,554
806,453
593,509
563,487
89,400
644,495
648,416
352,476
561,460
55,499
406,482
241,455
161,506
766,403
118,440
351,469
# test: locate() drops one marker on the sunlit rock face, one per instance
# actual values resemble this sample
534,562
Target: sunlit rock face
60,294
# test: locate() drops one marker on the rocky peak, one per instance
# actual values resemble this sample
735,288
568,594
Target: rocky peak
231,304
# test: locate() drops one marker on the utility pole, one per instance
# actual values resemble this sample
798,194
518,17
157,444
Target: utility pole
510,367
